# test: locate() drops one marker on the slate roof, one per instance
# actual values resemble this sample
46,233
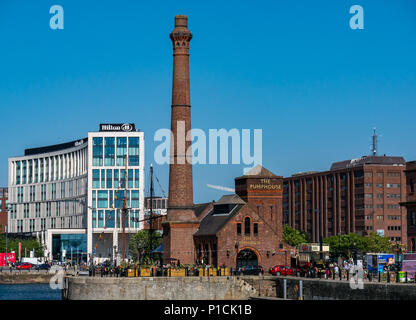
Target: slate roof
223,211
199,208
259,171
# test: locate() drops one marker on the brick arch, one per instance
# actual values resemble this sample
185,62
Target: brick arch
259,258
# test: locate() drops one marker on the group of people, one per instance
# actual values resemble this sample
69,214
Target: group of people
331,270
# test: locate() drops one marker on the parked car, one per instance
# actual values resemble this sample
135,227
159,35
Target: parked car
249,270
43,266
284,271
24,266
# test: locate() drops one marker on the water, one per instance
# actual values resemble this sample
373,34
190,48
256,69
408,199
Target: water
29,292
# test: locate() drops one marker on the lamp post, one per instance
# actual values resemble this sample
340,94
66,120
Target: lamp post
354,258
7,260
339,244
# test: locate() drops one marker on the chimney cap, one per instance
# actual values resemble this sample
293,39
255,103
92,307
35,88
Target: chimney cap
181,20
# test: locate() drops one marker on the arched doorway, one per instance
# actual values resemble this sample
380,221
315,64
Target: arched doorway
246,257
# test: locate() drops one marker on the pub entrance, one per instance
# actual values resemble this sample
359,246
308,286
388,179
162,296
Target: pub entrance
246,257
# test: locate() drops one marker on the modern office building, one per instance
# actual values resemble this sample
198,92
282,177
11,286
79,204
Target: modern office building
355,196
3,209
410,205
69,195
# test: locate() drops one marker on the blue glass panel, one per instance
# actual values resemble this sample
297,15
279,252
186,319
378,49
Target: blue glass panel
121,151
133,151
134,198
110,218
109,151
100,219
136,178
102,199
109,178
97,149
96,178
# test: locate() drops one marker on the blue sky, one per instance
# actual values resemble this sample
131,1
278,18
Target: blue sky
295,69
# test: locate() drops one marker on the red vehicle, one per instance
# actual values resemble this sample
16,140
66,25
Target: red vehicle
24,266
284,271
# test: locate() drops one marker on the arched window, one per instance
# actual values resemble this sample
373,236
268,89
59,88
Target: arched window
247,226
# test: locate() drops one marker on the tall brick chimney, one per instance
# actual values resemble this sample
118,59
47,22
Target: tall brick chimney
181,222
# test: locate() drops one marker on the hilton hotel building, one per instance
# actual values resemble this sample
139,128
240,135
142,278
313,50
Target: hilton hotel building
69,195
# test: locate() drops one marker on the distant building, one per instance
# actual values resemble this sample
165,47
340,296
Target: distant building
410,205
69,195
159,209
355,196
3,209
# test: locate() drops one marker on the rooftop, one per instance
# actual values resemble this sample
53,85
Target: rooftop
369,160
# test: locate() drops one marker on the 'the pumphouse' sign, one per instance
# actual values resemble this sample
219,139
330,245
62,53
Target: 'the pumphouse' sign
124,127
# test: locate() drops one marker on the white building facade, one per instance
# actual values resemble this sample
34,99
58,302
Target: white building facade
69,195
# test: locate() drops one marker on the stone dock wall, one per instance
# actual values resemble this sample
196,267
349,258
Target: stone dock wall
157,288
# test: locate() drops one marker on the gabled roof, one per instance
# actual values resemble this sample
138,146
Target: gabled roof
230,198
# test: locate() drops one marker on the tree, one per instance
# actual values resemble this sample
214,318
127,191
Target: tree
346,244
292,236
377,243
139,246
28,244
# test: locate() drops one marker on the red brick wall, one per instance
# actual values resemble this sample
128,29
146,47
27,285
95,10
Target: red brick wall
3,215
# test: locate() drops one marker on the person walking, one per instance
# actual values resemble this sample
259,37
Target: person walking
336,270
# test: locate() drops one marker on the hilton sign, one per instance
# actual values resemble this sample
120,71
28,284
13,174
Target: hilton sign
126,127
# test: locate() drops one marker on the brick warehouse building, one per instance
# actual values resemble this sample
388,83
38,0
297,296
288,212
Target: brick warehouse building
410,205
3,207
245,228
354,196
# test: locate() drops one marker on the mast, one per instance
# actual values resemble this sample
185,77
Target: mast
124,211
151,212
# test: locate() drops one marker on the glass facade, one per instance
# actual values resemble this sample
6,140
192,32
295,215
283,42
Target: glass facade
108,183
69,243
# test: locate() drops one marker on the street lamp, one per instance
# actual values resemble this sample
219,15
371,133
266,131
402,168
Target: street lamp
355,253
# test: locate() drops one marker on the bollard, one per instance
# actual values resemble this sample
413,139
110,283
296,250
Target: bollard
379,276
300,290
397,277
405,279
388,276
285,289
333,275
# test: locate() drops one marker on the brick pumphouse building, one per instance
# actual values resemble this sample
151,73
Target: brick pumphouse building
245,228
